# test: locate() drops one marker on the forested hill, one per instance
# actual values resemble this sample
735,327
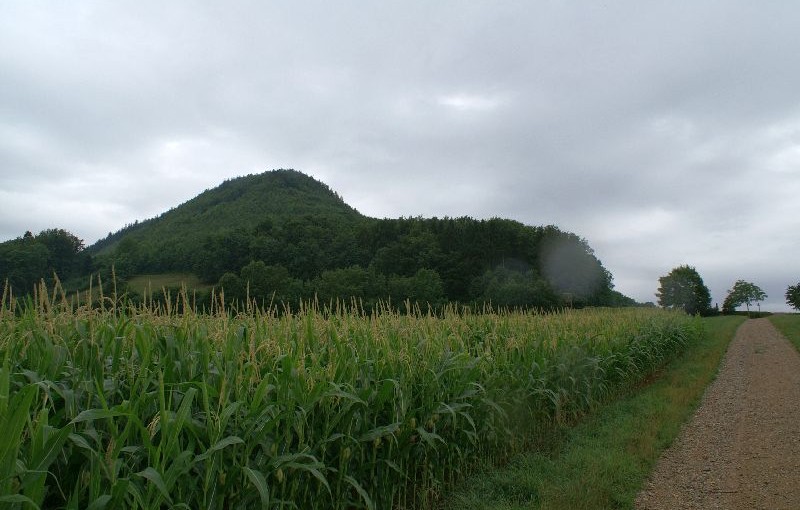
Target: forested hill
284,236
240,203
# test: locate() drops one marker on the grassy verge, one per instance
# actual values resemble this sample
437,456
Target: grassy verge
789,325
604,461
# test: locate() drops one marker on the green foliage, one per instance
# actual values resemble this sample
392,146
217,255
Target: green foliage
129,408
220,253
28,259
793,296
424,287
742,293
63,249
569,265
684,288
618,299
605,460
263,280
232,287
409,253
262,283
516,289
346,284
245,203
286,222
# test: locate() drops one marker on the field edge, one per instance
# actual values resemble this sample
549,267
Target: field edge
605,460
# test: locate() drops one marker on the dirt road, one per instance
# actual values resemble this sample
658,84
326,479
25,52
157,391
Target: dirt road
741,450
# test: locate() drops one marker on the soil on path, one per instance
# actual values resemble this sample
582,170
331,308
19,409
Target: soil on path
741,450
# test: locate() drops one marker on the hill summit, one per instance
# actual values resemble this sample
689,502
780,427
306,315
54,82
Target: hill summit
239,203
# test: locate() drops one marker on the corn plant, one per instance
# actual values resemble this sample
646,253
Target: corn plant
112,406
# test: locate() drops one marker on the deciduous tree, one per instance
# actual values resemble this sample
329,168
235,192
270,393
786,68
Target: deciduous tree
743,293
684,288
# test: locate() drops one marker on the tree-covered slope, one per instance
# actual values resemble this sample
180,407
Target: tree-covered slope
208,230
283,235
240,203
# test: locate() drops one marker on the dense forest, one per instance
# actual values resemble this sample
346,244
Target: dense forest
282,236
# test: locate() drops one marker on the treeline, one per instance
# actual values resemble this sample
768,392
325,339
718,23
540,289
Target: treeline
26,260
282,236
299,259
422,260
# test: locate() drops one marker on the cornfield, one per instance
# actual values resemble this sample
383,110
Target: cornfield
161,407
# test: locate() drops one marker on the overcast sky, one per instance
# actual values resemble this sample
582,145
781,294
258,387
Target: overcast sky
665,133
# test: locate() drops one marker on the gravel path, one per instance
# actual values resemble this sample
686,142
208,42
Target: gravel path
741,450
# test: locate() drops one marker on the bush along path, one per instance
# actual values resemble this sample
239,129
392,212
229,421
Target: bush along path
741,450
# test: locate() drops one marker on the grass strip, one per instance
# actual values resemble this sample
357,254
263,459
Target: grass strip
789,325
604,461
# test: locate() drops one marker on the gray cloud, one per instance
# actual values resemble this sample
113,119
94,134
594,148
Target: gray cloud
663,133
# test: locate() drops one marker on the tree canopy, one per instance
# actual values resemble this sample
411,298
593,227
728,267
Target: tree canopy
26,260
283,236
684,288
793,296
742,293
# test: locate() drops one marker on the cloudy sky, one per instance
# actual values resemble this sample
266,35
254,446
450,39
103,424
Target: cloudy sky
665,133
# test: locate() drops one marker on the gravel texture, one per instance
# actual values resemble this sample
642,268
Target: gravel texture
741,450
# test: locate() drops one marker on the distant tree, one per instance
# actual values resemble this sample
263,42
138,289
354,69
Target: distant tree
66,256
508,288
23,263
124,258
684,288
743,293
232,287
269,283
618,299
222,253
262,280
61,243
27,260
408,254
793,296
424,287
348,283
